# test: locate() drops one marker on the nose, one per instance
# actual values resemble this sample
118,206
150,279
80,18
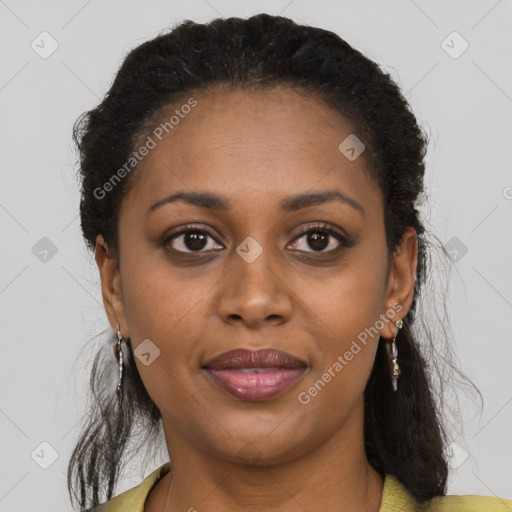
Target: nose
255,294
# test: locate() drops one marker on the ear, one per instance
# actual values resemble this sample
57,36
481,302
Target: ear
110,286
400,285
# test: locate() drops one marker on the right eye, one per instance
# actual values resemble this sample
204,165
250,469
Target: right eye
190,240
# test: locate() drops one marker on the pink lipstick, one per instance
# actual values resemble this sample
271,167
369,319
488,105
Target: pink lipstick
255,375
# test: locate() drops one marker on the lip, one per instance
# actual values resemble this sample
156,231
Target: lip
263,358
255,375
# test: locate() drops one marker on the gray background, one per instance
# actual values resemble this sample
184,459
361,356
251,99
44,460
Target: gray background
50,304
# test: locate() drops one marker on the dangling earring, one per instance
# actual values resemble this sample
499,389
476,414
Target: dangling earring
119,353
392,352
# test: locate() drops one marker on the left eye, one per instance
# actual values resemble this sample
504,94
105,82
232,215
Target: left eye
318,239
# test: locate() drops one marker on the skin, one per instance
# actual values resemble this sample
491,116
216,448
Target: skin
277,454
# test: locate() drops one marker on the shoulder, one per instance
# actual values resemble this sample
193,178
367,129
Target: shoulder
469,503
134,499
395,497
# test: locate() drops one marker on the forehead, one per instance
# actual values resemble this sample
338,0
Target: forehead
251,145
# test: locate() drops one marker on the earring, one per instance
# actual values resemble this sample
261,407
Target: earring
119,353
392,352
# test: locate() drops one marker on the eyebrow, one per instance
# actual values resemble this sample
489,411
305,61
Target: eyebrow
289,204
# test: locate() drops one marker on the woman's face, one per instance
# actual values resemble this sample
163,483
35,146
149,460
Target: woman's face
246,278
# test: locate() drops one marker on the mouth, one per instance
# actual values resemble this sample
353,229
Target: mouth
255,375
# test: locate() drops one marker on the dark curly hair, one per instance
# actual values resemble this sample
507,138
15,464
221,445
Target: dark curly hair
404,432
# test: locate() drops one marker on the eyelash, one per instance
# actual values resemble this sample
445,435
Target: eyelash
319,228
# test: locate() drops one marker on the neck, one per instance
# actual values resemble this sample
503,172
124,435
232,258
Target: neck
334,476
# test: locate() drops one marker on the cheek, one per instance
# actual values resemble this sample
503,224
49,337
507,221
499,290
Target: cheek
350,302
167,307
348,318
161,301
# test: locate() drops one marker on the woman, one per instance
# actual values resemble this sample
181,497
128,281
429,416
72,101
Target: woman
250,192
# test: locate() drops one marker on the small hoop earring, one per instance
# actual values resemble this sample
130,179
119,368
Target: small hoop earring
392,353
119,353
